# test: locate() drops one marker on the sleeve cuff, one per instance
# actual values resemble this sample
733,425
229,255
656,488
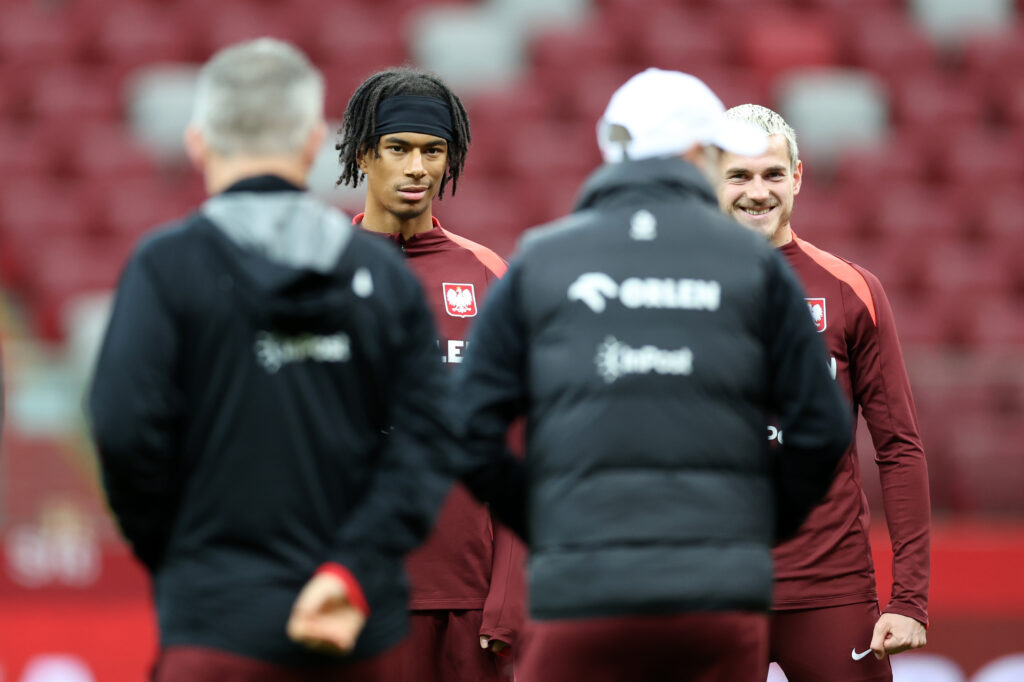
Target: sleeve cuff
354,592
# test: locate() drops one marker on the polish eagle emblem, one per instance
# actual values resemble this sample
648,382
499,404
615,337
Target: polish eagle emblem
459,299
817,308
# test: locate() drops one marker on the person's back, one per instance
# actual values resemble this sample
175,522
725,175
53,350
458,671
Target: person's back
647,338
653,428
243,402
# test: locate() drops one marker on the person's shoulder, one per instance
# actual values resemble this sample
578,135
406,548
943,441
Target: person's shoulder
485,255
567,229
169,240
837,266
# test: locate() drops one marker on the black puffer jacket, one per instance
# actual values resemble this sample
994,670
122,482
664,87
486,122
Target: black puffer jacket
648,338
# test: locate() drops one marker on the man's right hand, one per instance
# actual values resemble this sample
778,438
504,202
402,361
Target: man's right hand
323,618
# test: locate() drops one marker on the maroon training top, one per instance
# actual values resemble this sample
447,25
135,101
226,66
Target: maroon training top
468,562
829,562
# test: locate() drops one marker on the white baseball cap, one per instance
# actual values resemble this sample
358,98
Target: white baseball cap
667,112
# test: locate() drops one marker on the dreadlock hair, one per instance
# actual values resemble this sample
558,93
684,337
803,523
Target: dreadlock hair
360,121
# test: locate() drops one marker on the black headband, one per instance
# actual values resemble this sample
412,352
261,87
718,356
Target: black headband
415,114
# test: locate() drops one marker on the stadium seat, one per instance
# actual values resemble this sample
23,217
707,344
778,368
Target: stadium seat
70,266
918,667
1006,669
1007,102
869,169
787,40
71,96
833,110
350,35
681,39
534,14
585,99
487,211
950,22
494,116
975,161
33,212
37,35
229,22
888,44
473,48
141,34
937,106
735,86
552,150
110,152
28,152
131,207
993,60
159,99
827,216
999,222
989,448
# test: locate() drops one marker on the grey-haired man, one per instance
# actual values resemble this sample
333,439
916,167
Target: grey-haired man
267,395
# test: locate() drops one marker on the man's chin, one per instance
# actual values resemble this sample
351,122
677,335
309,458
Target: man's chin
409,212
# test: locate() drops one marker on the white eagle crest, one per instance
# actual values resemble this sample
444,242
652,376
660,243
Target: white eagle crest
460,300
817,313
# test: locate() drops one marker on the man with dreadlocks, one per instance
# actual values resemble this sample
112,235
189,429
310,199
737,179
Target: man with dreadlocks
407,134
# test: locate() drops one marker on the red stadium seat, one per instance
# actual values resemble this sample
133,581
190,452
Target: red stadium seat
900,160
889,44
487,211
999,222
130,208
67,267
32,36
787,40
735,86
588,46
34,213
826,216
991,59
690,41
552,150
989,449
494,115
232,21
938,107
585,99
905,213
28,152
1008,102
110,152
139,34
72,96
350,35
975,161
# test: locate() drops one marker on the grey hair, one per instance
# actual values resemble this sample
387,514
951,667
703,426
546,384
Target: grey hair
258,98
770,122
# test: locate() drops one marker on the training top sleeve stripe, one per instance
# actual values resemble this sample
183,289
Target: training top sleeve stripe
490,260
842,271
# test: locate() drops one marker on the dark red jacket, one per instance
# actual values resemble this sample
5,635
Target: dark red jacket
829,562
469,562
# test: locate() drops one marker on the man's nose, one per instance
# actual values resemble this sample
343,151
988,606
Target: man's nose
758,189
415,167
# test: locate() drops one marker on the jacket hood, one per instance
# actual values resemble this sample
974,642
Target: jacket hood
654,178
281,250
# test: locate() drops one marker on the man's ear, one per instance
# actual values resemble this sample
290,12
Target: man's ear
314,142
195,147
798,176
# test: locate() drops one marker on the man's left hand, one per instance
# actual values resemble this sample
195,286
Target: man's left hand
895,633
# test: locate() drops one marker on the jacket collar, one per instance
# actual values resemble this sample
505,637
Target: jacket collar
653,178
263,183
435,236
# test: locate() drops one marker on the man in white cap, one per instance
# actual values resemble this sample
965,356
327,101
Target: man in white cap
647,338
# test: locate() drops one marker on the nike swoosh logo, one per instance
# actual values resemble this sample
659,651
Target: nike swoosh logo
856,656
